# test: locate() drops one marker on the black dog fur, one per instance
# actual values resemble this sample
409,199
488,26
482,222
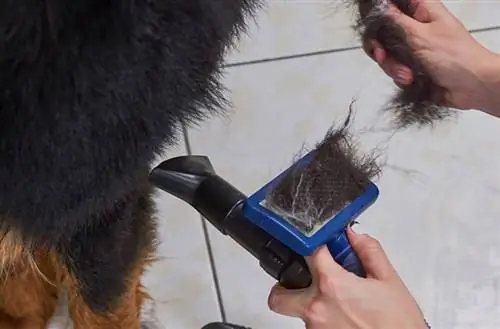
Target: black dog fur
90,92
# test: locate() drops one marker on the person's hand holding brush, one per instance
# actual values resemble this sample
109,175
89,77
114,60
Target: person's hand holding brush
338,299
456,61
470,74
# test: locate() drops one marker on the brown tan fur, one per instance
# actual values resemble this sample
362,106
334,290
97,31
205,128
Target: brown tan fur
28,297
12,251
30,284
125,316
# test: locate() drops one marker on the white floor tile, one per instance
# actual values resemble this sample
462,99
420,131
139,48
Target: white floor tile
438,215
181,282
288,27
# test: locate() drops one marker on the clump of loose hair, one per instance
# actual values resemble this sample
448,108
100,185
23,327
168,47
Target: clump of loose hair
421,102
309,195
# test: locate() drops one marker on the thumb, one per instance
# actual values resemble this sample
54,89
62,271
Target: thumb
372,256
430,10
288,302
423,11
406,22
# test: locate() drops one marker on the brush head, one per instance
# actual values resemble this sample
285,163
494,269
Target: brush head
323,191
422,102
312,194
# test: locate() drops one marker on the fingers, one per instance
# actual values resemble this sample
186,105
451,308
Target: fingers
387,64
425,11
409,24
368,47
451,103
372,256
421,11
324,270
322,265
290,303
379,53
402,75
293,303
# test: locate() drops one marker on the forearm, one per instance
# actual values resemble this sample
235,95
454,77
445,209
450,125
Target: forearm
491,83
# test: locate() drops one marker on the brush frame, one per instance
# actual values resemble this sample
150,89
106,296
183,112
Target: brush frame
331,231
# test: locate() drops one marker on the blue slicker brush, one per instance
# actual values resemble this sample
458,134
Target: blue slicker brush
308,205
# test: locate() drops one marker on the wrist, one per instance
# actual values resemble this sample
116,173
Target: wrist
490,83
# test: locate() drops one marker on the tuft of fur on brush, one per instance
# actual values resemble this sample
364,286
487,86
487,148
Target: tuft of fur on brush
420,103
312,194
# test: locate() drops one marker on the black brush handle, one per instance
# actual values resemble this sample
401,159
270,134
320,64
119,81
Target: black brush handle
193,180
276,259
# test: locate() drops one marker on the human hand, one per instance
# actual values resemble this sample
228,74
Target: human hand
455,60
341,300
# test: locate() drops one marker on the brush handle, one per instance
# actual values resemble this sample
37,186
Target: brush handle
345,256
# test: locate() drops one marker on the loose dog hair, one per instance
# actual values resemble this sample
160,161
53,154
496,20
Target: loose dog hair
90,92
422,102
337,174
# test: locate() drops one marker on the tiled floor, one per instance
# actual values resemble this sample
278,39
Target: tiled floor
438,216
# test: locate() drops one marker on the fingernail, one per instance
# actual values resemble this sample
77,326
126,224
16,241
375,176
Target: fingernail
358,229
403,75
353,226
400,76
377,55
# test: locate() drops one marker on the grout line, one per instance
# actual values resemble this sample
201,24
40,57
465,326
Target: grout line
283,58
208,244
214,270
485,29
328,51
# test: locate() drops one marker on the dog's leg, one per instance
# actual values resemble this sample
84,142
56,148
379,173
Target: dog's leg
105,263
125,315
28,293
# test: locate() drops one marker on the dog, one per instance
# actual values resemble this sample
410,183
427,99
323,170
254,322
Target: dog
91,91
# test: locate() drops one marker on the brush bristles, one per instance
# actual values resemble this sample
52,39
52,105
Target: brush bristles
420,103
314,193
